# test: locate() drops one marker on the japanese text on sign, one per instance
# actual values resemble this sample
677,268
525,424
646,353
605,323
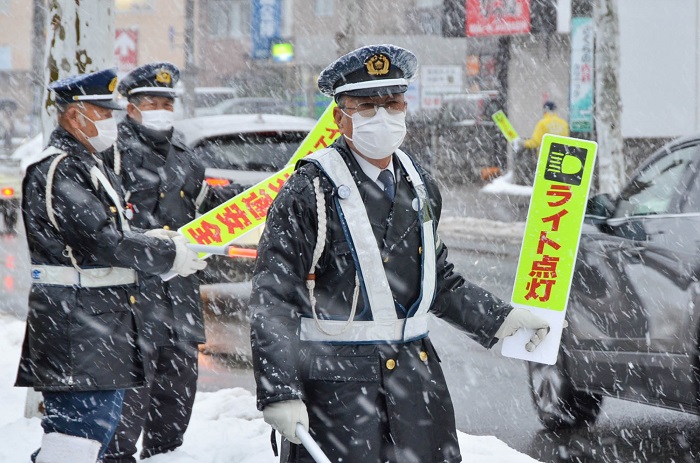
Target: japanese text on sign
248,210
554,221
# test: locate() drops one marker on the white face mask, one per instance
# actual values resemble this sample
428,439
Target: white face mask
106,133
377,137
157,119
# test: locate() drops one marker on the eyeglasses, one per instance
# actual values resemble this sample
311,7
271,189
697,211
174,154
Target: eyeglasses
370,109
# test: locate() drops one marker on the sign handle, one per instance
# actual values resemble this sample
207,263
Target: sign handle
311,445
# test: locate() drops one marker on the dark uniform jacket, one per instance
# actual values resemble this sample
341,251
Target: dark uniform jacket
80,338
359,396
162,180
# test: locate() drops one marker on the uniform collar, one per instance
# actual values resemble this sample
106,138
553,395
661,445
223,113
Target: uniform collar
61,139
158,141
371,170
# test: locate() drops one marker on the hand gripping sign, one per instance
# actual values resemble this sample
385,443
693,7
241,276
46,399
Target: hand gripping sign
550,244
247,211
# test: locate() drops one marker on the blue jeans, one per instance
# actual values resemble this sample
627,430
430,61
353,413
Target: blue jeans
92,414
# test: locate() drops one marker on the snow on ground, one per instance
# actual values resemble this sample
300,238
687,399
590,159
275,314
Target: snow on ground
482,229
225,428
504,184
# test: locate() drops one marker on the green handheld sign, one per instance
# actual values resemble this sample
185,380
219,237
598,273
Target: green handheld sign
506,128
552,232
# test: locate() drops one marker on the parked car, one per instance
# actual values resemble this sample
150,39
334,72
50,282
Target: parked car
243,149
204,97
252,105
634,308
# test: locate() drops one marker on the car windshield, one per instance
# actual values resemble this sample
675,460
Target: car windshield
265,151
653,190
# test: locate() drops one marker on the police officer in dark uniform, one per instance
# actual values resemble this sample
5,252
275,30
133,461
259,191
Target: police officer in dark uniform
164,185
81,343
349,268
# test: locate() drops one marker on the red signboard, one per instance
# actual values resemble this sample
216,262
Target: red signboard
125,49
497,17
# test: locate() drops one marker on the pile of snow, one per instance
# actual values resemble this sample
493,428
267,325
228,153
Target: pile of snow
504,184
225,426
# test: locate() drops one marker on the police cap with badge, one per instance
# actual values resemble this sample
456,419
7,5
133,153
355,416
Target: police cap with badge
153,79
373,70
96,88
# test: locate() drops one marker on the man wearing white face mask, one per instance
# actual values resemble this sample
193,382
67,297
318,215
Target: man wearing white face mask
164,184
81,344
349,268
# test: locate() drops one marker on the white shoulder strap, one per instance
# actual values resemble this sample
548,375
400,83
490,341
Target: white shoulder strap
37,157
97,178
361,238
95,172
117,160
49,185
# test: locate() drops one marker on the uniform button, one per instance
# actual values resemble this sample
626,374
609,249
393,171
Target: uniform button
113,209
386,259
423,356
390,364
162,195
182,194
420,250
132,299
166,227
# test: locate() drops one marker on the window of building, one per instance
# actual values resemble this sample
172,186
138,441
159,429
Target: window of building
324,7
133,6
5,58
228,18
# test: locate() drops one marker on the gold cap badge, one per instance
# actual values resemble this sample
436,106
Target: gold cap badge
378,65
112,85
163,77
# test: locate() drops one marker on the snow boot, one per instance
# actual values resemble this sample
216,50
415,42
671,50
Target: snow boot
62,448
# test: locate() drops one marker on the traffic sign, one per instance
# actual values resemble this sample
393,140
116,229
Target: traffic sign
126,49
248,210
550,244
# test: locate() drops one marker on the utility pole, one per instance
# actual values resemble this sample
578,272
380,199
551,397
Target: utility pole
189,76
80,40
608,103
345,39
38,27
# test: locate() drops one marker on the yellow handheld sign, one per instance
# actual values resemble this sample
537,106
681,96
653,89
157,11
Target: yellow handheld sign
550,244
502,122
246,211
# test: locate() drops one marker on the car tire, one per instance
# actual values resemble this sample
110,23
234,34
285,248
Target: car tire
559,405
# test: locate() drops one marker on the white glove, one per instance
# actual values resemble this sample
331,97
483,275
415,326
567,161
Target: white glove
522,318
284,416
186,260
161,233
517,144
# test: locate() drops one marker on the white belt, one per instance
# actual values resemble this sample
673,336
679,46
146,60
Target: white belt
87,278
400,330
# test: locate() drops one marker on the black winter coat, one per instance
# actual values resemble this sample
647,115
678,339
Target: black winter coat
360,408
81,338
162,179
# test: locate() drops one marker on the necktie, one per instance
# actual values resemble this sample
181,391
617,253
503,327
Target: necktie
386,177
